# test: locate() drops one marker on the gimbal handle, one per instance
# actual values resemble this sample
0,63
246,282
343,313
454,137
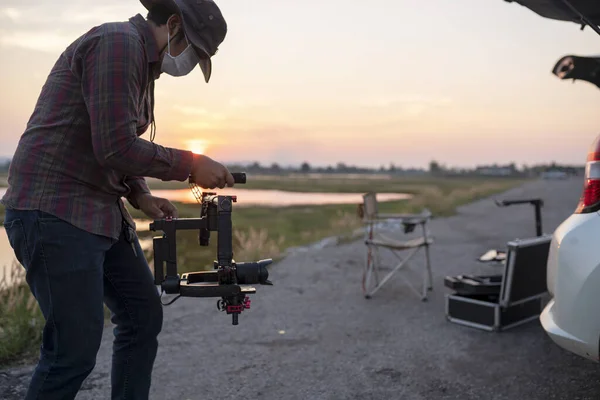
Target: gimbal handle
239,177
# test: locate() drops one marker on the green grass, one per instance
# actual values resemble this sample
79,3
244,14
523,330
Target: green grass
259,232
333,183
21,321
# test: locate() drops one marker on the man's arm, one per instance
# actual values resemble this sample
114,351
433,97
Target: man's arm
138,187
112,76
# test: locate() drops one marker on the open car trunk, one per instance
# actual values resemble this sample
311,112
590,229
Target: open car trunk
583,12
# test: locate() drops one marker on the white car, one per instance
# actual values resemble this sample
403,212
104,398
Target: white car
573,271
571,318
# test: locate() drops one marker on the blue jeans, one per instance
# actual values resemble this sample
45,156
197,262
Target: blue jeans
72,273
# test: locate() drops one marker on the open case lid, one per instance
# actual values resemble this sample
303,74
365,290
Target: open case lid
525,270
582,12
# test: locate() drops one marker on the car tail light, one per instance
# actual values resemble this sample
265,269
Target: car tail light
590,198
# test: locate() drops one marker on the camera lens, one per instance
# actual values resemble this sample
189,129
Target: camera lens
252,273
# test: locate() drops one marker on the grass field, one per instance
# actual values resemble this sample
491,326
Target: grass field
334,183
262,232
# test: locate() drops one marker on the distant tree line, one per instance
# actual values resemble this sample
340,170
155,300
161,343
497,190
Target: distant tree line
306,168
511,169
435,168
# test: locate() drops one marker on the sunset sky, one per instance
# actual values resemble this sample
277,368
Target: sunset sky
367,83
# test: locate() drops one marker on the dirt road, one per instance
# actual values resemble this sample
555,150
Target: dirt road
314,336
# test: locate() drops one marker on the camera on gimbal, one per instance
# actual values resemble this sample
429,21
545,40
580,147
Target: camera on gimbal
229,280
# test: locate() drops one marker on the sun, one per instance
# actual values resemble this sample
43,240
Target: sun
197,146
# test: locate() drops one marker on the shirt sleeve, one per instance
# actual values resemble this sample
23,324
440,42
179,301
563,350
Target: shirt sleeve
113,73
137,186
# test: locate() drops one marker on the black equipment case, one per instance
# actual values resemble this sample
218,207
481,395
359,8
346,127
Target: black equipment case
496,303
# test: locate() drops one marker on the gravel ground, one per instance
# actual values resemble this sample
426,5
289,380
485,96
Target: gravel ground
314,336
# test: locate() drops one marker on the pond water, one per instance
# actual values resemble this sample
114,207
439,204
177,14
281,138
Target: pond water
245,198
278,198
274,198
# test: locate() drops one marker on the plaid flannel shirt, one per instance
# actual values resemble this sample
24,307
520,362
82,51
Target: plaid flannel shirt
81,153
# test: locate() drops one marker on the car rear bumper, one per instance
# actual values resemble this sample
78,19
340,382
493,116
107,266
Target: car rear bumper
565,339
573,271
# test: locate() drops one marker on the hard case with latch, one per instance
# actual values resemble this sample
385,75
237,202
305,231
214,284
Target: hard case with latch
479,304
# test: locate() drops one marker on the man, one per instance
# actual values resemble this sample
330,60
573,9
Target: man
79,156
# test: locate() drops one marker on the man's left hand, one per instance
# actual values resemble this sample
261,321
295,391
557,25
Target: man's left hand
156,207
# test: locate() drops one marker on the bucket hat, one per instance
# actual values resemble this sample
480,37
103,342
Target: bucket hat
203,25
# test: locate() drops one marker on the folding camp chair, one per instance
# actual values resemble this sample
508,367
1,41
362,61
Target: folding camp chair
375,239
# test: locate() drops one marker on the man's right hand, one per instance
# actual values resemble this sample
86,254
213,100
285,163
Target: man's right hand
209,174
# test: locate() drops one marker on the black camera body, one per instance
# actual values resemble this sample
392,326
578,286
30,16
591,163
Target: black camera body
228,280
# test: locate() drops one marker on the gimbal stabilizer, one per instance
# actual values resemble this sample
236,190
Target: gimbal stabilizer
228,277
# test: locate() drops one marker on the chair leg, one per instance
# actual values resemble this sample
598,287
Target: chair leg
430,275
370,272
370,290
367,272
427,258
425,288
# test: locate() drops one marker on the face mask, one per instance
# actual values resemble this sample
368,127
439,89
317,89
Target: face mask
181,65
